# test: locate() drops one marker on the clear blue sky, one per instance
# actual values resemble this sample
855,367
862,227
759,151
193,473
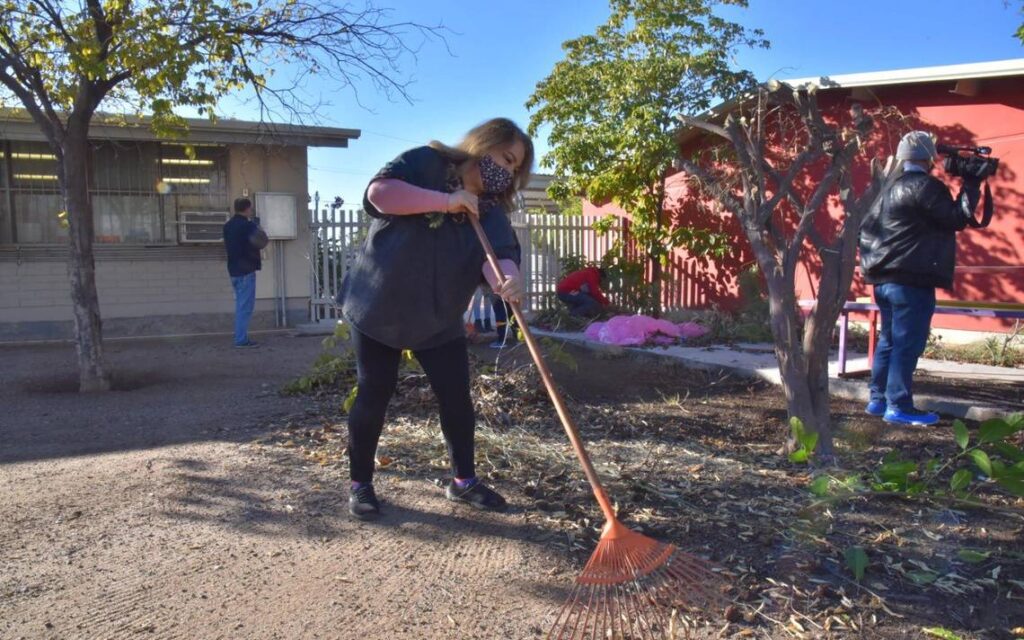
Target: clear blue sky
500,50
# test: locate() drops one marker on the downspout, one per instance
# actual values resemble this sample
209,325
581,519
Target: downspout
279,311
284,288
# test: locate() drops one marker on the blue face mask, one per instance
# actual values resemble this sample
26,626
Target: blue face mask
496,178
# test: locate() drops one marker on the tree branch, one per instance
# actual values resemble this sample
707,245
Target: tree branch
719,192
348,42
104,30
705,126
783,187
812,232
54,13
37,106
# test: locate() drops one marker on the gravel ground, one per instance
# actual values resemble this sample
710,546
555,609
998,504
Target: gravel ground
148,511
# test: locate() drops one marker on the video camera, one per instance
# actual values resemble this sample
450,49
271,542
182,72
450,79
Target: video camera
968,162
971,162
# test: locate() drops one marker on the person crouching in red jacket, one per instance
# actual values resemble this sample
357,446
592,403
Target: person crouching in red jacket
581,291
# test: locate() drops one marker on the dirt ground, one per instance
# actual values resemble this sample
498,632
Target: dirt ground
198,502
146,512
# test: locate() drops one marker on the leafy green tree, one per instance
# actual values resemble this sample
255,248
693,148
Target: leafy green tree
616,106
613,106
1019,34
61,60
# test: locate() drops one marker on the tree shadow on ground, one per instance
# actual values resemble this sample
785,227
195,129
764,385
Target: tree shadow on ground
166,392
292,504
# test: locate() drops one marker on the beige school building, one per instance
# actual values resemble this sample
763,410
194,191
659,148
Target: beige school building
159,207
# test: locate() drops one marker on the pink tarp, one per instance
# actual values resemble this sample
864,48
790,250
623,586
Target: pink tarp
639,330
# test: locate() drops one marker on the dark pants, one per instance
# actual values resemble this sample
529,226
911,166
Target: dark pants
501,317
581,304
906,318
447,369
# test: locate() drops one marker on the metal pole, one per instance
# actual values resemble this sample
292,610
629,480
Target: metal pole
311,220
284,288
280,288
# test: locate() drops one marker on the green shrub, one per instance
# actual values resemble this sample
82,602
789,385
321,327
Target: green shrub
333,369
996,351
994,459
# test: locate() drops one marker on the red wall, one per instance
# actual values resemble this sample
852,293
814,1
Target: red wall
698,281
990,262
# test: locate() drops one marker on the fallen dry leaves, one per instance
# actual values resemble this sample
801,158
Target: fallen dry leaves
699,469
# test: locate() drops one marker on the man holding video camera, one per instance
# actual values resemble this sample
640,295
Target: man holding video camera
907,249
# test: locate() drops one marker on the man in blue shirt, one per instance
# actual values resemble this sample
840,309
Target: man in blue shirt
243,240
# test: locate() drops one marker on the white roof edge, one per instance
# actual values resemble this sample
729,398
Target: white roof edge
993,69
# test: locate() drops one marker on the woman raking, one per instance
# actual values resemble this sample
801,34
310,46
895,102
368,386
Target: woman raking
414,278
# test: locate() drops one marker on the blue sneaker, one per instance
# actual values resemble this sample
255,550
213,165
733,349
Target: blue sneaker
875,408
910,416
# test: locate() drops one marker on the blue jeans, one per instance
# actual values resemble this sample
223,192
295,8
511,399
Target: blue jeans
581,304
906,318
245,299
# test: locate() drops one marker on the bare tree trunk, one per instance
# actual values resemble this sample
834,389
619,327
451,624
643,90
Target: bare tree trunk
818,394
817,340
793,361
92,370
837,266
655,255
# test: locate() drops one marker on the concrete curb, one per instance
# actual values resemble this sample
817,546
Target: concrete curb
324,328
838,387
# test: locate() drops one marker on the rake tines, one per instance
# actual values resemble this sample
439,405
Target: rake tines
630,587
632,584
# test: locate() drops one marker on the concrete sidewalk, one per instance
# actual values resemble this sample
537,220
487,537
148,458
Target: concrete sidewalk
758,361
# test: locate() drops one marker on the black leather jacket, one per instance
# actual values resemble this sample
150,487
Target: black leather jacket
909,237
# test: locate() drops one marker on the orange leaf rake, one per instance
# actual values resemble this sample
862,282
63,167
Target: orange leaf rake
632,583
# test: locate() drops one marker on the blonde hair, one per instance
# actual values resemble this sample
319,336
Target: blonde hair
494,133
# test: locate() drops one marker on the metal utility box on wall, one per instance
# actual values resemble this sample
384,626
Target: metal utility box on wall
278,215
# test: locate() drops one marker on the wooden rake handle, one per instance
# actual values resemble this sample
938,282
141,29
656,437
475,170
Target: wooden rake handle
556,398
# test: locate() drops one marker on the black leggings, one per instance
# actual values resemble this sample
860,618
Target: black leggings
447,369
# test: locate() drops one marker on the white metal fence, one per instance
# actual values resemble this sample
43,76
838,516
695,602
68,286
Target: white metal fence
335,237
337,234
547,238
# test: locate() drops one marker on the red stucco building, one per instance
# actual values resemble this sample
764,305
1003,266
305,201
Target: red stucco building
977,104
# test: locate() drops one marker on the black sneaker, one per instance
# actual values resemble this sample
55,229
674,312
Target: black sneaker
477,495
248,344
363,503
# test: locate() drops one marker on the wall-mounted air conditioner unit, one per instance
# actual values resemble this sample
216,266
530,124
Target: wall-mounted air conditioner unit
201,226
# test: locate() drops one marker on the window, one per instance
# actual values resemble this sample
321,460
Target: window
139,191
6,218
33,194
196,187
125,203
